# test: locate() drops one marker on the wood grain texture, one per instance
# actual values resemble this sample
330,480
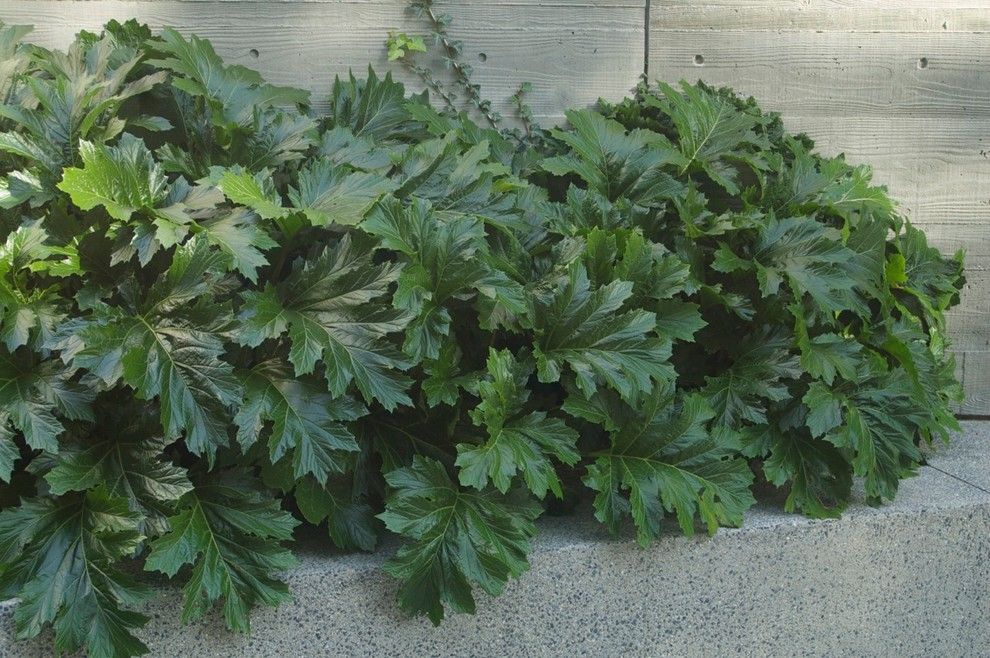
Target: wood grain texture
902,85
830,74
825,15
595,50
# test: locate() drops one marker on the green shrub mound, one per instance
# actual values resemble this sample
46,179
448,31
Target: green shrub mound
224,316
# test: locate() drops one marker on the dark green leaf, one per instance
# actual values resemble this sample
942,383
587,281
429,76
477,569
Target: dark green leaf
229,534
459,539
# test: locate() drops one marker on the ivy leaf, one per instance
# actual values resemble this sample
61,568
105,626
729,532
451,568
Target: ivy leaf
58,556
229,533
328,306
459,539
306,421
518,442
667,460
585,330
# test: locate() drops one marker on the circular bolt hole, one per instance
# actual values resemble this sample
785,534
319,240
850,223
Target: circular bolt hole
699,60
254,53
482,57
923,63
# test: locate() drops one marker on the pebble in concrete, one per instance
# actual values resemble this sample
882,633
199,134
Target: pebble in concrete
907,579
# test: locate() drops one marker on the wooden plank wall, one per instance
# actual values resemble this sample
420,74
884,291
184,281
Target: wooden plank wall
596,51
901,84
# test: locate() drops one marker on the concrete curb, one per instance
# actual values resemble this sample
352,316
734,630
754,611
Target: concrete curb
908,579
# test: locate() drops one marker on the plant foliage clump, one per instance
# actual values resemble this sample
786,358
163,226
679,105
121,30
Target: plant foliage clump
223,316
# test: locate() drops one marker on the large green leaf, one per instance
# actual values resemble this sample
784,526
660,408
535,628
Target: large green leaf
714,136
58,555
331,308
809,256
156,351
374,107
879,421
518,442
458,181
130,468
819,477
31,394
616,163
586,330
459,539
447,263
350,520
761,366
330,194
305,421
29,312
233,91
229,534
123,179
239,235
63,101
668,461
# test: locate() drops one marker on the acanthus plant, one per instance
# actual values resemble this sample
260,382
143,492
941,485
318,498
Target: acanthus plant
223,316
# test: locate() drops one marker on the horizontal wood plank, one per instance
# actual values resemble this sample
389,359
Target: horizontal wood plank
829,74
826,15
597,51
